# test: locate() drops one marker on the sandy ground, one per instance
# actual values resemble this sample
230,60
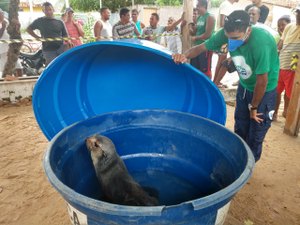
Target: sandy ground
272,196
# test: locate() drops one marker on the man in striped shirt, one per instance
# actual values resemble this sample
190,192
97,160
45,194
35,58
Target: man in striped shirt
289,46
124,27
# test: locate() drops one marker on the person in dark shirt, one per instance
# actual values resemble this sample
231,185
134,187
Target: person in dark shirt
49,27
264,10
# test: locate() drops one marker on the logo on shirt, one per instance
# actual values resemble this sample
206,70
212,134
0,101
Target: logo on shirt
200,23
243,69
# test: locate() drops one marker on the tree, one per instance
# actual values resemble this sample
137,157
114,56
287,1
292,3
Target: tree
169,2
13,30
93,5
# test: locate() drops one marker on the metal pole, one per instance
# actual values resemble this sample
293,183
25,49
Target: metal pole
132,2
100,4
30,7
31,10
67,3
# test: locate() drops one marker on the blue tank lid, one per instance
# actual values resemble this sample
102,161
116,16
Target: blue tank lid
109,76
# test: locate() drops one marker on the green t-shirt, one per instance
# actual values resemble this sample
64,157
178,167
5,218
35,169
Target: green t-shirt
257,56
201,27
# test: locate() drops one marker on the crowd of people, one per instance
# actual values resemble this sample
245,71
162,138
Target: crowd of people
264,59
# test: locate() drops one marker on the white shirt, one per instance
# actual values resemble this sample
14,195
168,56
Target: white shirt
173,43
226,8
106,29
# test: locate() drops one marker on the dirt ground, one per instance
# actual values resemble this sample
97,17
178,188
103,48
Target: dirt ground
272,196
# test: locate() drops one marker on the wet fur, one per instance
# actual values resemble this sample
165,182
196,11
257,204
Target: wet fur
117,185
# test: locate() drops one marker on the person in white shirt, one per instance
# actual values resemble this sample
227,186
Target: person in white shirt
254,13
103,28
172,40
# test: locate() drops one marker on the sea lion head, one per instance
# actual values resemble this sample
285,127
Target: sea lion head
101,148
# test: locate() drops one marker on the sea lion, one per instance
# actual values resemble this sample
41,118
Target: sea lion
117,185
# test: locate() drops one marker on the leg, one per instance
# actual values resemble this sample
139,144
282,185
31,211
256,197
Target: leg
286,105
49,56
258,131
278,100
209,55
203,63
289,81
280,89
241,114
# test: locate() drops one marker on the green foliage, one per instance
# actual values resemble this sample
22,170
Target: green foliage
216,3
88,29
4,5
169,2
94,5
84,5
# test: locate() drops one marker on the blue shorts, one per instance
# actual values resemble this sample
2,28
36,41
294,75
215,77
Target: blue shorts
248,129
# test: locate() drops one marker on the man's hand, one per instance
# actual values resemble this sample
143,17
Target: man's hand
193,38
255,116
179,58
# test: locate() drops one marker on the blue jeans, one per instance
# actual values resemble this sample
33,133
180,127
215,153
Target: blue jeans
50,55
249,130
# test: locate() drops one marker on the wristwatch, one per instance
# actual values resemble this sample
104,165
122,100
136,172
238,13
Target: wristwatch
251,107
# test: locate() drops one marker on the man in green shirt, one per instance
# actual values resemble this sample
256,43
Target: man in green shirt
203,31
254,54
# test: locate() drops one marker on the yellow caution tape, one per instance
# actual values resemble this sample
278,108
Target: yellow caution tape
2,41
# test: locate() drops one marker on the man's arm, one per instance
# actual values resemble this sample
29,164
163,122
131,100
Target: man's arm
173,25
32,33
64,32
222,20
189,54
210,24
279,45
259,92
115,33
97,30
192,28
79,28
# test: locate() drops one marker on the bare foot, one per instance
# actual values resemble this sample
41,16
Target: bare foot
236,83
221,86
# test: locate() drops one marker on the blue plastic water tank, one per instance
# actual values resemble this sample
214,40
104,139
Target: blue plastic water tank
150,107
102,77
195,165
